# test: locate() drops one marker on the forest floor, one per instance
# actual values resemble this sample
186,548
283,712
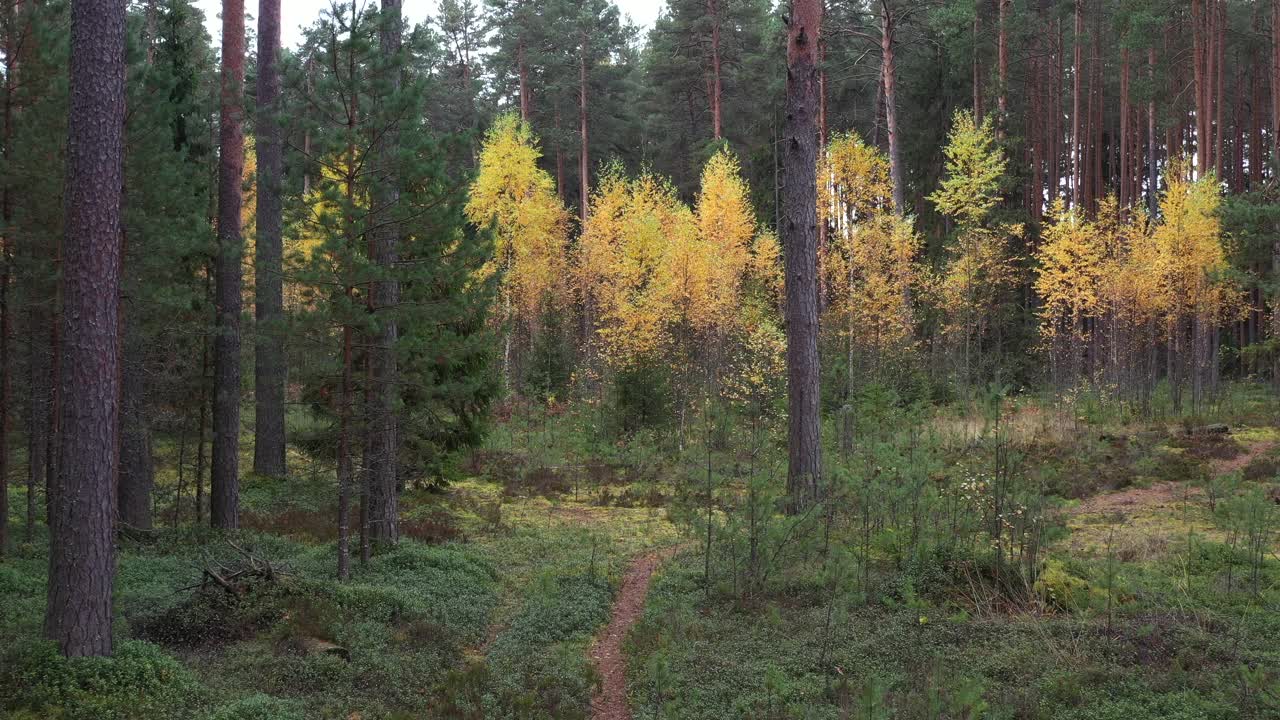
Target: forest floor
610,701
542,586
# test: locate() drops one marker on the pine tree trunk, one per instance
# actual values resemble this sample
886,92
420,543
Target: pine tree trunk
270,369
1153,171
137,470
1125,138
81,549
890,78
1002,68
584,154
224,486
6,270
384,500
1220,45
1077,146
713,14
37,409
522,69
977,63
799,233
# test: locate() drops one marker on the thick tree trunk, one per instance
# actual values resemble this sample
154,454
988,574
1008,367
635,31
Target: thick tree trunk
81,550
890,79
384,502
799,235
1275,83
269,367
224,486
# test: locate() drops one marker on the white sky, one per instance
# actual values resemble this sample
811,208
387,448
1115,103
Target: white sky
299,13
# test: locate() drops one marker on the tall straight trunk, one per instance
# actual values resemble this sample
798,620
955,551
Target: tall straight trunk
1153,172
1125,135
522,70
1202,92
1077,146
224,485
889,76
584,153
6,371
799,233
977,60
37,409
345,471
137,470
1002,67
1257,157
269,368
6,271
384,500
81,549
1220,45
713,14
1275,83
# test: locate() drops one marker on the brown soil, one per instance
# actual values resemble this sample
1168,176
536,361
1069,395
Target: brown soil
1168,493
609,702
1162,494
1243,460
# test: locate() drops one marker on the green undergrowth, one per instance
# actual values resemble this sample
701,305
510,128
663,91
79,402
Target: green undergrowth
403,622
1164,651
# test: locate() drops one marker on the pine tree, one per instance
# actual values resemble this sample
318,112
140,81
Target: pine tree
81,550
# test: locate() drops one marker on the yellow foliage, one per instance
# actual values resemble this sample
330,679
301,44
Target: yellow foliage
517,199
1069,271
869,264
656,276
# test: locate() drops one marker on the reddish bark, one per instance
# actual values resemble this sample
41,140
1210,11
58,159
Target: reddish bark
81,543
224,486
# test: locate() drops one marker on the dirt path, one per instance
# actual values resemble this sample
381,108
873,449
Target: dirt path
610,700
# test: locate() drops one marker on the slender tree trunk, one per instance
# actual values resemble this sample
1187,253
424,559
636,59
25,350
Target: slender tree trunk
1125,137
1220,45
81,548
270,367
522,69
137,470
1077,145
1153,171
713,14
977,61
37,409
800,156
1002,68
584,154
224,488
890,78
1202,93
384,500
6,270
